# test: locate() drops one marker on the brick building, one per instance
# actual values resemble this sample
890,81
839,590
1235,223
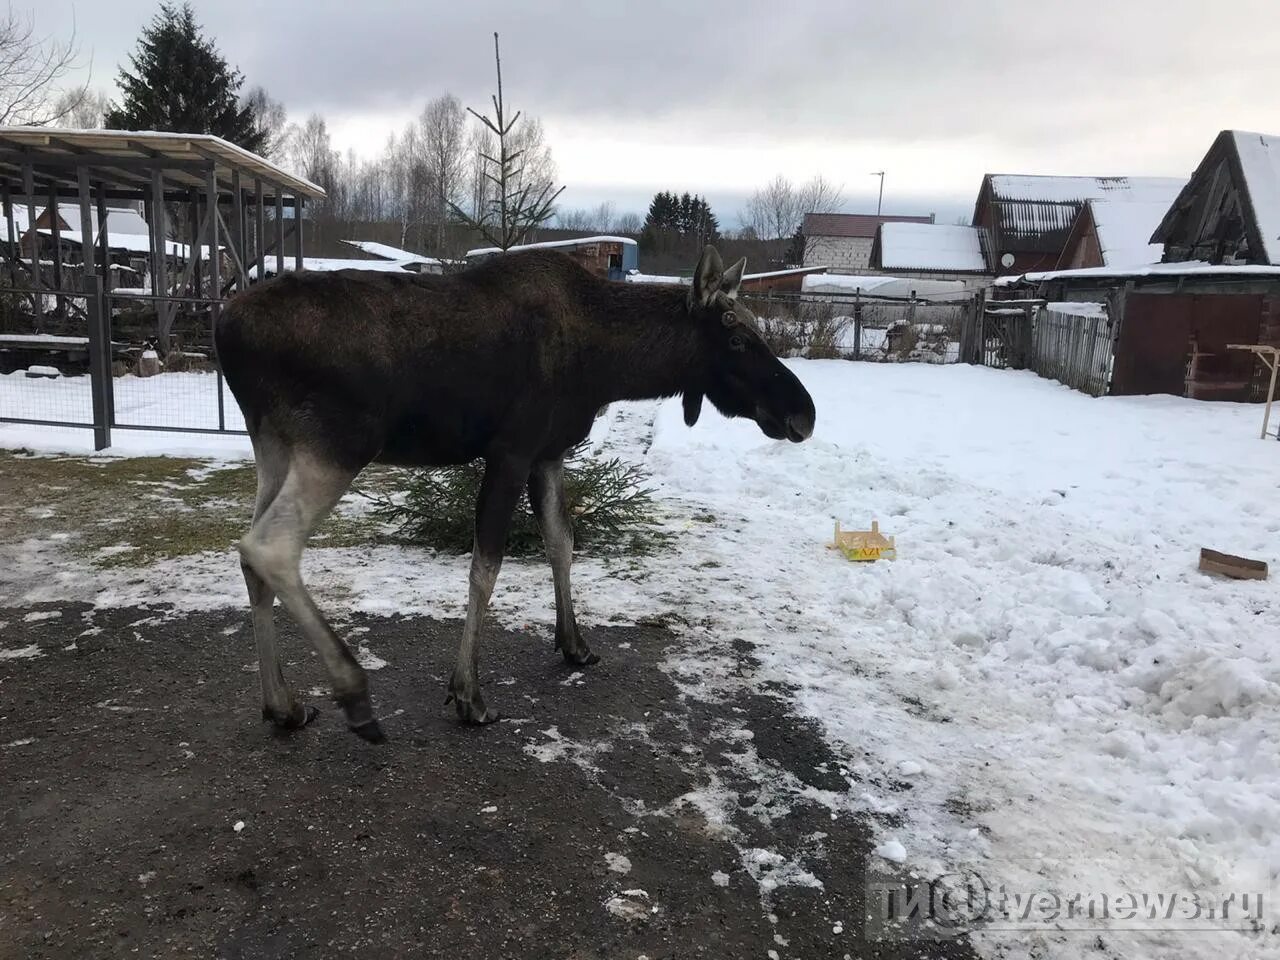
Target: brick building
842,242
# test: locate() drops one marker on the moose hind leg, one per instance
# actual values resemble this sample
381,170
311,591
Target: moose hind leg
551,508
278,702
273,550
499,493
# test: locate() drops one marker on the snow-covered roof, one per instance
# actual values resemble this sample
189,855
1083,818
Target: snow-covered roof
331,263
1189,268
131,242
931,246
880,286
637,277
1035,213
1124,230
385,251
550,245
1037,188
853,224
43,143
1260,162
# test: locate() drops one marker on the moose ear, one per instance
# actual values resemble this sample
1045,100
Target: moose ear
732,279
692,407
707,277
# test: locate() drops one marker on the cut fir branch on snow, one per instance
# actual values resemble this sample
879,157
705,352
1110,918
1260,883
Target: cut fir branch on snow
613,512
517,205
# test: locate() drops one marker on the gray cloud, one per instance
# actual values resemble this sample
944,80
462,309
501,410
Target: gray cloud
1091,86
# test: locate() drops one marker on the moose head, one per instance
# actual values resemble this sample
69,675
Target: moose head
740,376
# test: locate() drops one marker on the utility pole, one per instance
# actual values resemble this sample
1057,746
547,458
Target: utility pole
880,202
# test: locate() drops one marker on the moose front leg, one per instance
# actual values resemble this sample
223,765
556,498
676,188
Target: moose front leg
499,493
546,494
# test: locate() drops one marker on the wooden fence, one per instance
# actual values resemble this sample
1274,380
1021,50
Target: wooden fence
1072,346
1073,349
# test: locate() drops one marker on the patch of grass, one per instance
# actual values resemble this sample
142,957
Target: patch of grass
161,507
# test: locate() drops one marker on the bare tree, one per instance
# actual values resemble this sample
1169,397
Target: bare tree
777,209
599,219
442,127
521,197
31,67
819,195
628,223
270,120
311,152
82,110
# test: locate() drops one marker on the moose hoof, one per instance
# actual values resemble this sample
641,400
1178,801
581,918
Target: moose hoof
299,717
576,652
580,658
369,730
360,720
471,709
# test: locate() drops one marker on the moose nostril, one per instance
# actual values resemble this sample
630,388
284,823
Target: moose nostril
800,426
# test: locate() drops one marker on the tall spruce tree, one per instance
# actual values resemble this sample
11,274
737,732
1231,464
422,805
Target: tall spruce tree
678,224
180,83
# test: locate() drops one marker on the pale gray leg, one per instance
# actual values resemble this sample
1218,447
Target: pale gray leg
499,493
278,702
273,549
551,508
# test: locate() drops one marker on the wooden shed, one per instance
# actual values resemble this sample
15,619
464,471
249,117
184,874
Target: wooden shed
1028,218
1229,212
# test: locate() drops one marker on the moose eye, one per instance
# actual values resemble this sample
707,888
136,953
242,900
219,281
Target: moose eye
729,318
737,343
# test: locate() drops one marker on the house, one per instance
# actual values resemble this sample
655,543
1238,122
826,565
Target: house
1172,323
842,241
1028,218
383,251
611,257
1109,233
935,251
1229,211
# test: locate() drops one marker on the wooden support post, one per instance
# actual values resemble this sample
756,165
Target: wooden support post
12,245
196,271
100,385
104,248
100,382
159,230
238,232
55,225
29,188
297,232
260,228
279,231
857,323
215,281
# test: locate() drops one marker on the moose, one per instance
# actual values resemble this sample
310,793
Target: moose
509,361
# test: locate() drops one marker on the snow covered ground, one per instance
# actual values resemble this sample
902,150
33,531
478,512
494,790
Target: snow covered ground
1042,689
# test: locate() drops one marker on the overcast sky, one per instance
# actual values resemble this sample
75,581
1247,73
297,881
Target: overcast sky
717,97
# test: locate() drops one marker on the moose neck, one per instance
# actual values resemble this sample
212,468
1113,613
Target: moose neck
649,345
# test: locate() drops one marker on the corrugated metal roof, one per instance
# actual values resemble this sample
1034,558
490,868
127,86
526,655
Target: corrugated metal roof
1049,189
1035,213
852,224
